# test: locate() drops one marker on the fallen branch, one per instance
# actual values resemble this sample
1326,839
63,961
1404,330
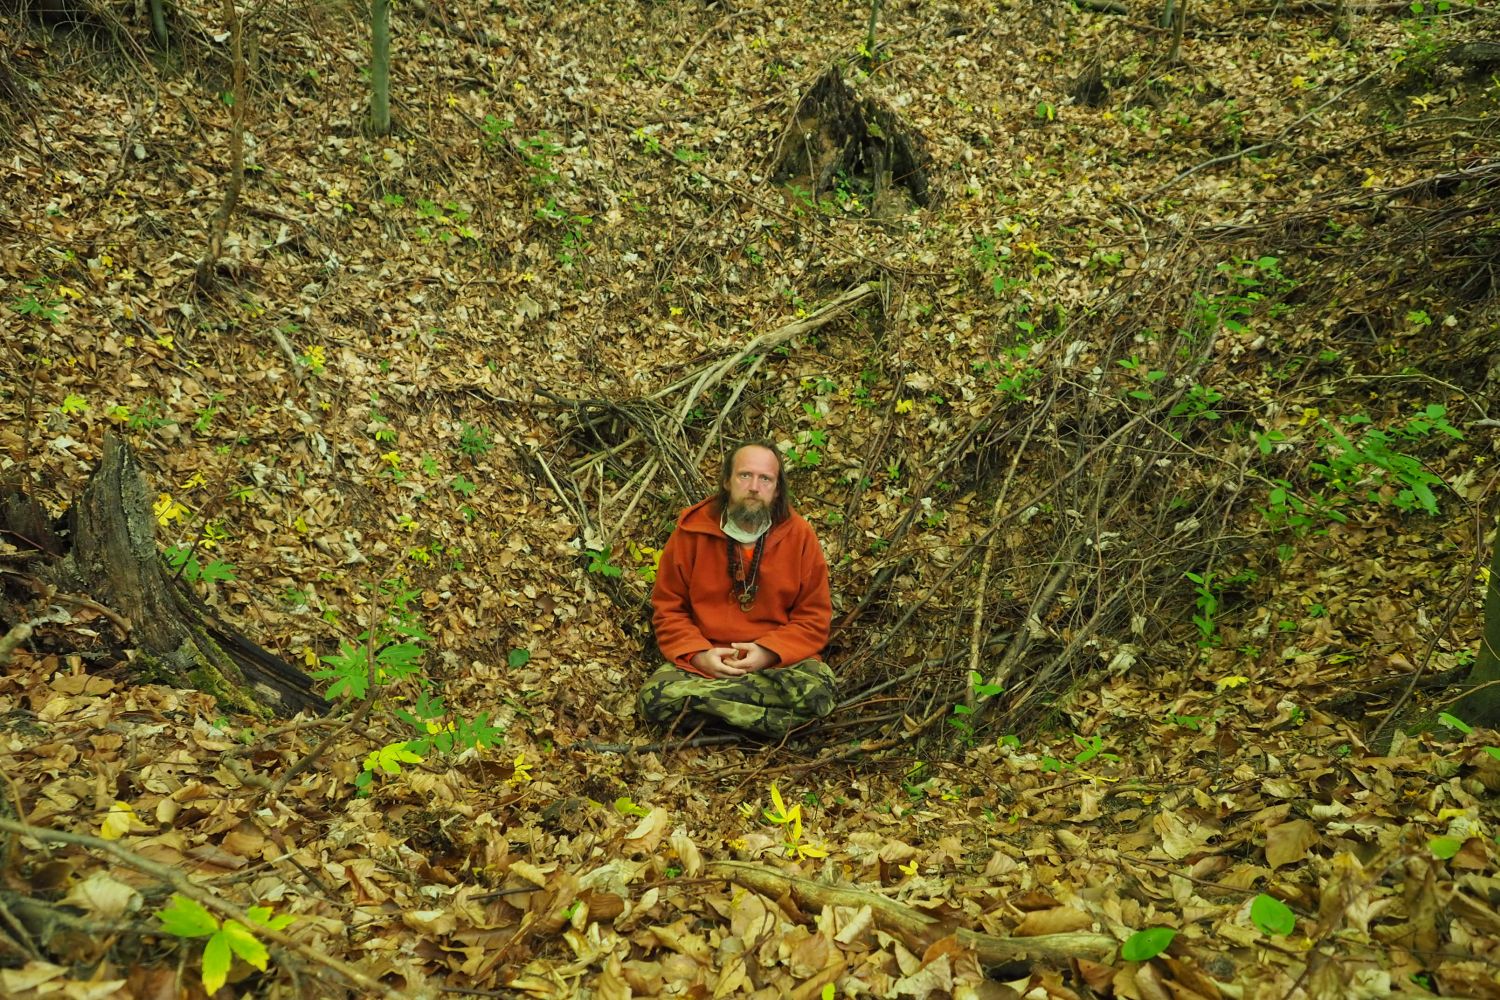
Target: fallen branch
707,378
713,739
977,629
180,883
915,928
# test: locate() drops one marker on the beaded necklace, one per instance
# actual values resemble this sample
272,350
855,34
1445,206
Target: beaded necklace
741,582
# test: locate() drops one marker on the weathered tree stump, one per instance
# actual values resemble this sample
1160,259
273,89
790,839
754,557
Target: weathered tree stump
835,131
111,556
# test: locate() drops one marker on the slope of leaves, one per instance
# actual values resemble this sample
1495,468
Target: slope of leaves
472,356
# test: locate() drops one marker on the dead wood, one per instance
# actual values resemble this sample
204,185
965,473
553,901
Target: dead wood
24,523
1480,53
836,132
916,929
177,639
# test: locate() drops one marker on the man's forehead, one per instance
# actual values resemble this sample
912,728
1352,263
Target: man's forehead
755,455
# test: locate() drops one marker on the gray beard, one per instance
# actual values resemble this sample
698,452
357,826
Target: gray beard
749,518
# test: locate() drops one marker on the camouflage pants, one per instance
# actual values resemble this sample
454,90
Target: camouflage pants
769,702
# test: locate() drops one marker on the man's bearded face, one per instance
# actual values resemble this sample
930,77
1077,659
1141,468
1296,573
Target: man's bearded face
751,514
752,488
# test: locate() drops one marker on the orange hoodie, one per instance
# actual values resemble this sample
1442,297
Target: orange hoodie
695,607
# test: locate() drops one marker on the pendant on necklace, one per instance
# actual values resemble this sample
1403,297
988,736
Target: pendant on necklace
747,598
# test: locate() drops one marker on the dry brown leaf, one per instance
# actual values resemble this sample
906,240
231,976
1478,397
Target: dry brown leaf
1288,843
104,896
1178,837
648,833
1059,920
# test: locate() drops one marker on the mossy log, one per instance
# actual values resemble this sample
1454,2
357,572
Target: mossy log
111,556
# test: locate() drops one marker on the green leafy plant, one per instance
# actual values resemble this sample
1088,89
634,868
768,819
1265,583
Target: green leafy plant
540,152
1464,729
1198,404
1148,376
807,453
1091,748
1444,848
494,129
396,642
599,562
1207,603
982,692
41,303
474,442
1250,286
183,559
1377,456
189,919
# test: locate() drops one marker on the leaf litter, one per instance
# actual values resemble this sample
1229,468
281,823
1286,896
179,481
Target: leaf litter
361,396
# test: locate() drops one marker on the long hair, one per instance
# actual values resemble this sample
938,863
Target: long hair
781,505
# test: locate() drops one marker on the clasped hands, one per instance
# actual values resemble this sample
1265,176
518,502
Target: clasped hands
735,660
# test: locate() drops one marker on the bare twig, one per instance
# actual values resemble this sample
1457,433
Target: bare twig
977,629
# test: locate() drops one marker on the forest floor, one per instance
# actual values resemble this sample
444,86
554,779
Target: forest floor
1151,464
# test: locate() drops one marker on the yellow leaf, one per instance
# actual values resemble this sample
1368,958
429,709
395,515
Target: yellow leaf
1309,414
195,481
777,812
910,869
167,510
119,821
1233,681
906,406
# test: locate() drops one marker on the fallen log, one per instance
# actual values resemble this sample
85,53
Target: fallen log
917,929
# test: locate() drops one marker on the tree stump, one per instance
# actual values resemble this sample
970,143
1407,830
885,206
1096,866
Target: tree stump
836,133
111,556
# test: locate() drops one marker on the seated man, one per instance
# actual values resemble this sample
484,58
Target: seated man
741,607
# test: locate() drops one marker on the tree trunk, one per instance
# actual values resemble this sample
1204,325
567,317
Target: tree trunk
178,640
159,24
219,225
1480,705
380,67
